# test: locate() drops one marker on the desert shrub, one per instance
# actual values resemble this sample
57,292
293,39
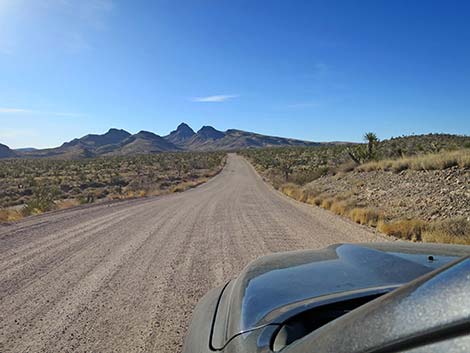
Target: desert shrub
302,177
87,180
42,201
87,198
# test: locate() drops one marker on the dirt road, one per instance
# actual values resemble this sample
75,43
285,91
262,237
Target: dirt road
125,277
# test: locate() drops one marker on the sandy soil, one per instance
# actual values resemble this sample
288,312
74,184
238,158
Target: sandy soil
124,277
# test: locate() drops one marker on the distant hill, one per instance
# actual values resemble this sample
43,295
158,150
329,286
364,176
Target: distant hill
116,142
143,142
92,141
209,139
6,152
85,147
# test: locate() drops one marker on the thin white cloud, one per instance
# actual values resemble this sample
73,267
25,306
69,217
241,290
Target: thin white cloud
215,99
37,112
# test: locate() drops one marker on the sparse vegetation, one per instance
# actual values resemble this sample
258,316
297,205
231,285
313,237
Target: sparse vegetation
32,186
409,229
298,165
7,215
455,231
441,160
360,153
432,152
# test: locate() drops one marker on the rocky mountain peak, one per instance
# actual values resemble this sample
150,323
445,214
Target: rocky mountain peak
210,132
182,133
184,130
117,132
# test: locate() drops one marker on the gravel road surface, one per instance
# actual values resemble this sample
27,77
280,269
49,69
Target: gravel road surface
124,277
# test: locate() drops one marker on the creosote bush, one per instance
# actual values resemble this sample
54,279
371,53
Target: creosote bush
42,201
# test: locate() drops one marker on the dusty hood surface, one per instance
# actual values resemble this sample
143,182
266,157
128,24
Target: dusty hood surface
274,287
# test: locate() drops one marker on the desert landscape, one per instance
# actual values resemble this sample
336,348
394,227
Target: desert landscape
81,235
234,176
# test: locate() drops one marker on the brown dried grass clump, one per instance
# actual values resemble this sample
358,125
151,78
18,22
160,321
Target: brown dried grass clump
340,208
310,194
327,203
294,191
450,231
454,231
8,215
409,229
366,216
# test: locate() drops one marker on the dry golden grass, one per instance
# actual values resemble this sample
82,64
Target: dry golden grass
409,229
294,191
310,194
366,216
435,161
456,231
443,237
327,203
340,208
8,215
452,231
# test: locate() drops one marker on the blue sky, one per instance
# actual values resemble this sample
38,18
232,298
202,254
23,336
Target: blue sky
316,70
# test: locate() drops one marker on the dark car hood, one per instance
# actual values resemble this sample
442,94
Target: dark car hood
276,286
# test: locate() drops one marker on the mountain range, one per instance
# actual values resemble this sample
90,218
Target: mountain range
118,142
